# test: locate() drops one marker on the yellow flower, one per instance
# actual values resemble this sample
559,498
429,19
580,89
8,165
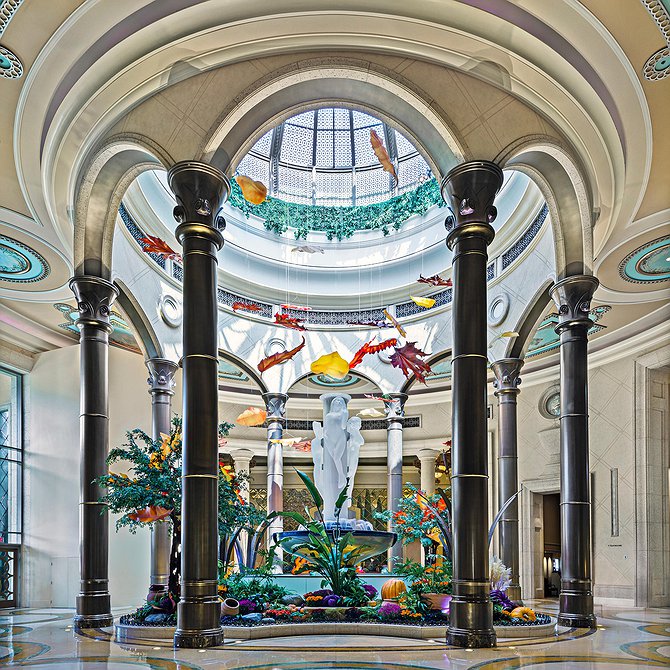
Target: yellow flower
332,365
423,302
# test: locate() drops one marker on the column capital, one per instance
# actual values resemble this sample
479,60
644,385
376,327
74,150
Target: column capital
95,297
161,376
469,190
242,455
275,405
572,296
506,371
395,409
427,454
200,190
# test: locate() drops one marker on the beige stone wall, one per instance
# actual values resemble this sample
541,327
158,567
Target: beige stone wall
51,535
611,447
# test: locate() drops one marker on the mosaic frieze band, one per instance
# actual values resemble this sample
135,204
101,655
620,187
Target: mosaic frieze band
343,318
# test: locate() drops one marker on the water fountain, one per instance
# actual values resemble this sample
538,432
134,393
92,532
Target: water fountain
335,452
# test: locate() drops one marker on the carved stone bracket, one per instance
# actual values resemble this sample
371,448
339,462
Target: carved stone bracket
161,378
572,296
395,409
95,297
200,190
469,191
275,405
506,371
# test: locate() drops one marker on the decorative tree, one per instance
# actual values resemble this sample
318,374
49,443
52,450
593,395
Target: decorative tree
152,492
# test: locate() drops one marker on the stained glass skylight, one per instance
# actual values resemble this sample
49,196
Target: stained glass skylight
324,157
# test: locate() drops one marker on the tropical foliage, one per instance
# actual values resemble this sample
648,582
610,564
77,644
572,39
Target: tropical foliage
331,554
339,222
151,491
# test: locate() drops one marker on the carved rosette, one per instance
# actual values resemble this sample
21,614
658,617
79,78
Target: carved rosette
507,378
572,296
161,378
200,190
469,191
275,406
395,410
95,297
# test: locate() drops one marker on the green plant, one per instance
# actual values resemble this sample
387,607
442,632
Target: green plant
331,554
339,222
262,589
433,578
151,492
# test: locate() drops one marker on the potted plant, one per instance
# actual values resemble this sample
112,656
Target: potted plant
431,584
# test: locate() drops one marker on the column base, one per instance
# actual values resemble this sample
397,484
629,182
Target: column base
198,639
83,621
577,620
514,593
471,639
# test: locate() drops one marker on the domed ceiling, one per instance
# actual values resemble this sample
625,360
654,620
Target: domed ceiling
325,157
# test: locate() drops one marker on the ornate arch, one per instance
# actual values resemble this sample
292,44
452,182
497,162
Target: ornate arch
564,185
114,166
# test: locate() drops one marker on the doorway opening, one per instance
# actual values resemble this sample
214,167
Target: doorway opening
551,517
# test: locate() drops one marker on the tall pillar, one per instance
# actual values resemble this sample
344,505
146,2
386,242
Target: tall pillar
573,299
506,383
161,384
469,190
275,404
395,416
200,191
95,297
427,459
242,459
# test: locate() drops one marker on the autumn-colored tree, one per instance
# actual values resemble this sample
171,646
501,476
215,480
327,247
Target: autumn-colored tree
151,492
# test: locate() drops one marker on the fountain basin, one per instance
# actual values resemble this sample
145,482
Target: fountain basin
375,542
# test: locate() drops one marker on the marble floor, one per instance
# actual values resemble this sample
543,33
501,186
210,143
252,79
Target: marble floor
631,638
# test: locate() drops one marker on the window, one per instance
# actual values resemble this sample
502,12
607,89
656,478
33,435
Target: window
11,480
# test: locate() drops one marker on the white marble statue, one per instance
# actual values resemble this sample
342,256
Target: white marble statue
335,451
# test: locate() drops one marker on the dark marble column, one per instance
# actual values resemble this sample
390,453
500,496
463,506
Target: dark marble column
161,384
94,300
573,299
200,190
506,383
469,190
395,416
275,405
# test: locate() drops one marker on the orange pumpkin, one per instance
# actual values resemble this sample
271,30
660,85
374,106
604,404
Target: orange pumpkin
393,588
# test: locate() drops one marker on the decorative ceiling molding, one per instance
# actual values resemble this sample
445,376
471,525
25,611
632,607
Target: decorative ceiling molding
10,65
657,66
20,263
648,264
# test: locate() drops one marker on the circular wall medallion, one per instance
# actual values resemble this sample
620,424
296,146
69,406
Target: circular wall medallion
170,311
550,403
10,65
19,263
648,264
658,65
498,309
274,345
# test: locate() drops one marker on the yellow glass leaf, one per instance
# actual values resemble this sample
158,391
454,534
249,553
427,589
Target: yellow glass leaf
332,365
286,441
509,333
252,416
370,413
423,302
254,192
